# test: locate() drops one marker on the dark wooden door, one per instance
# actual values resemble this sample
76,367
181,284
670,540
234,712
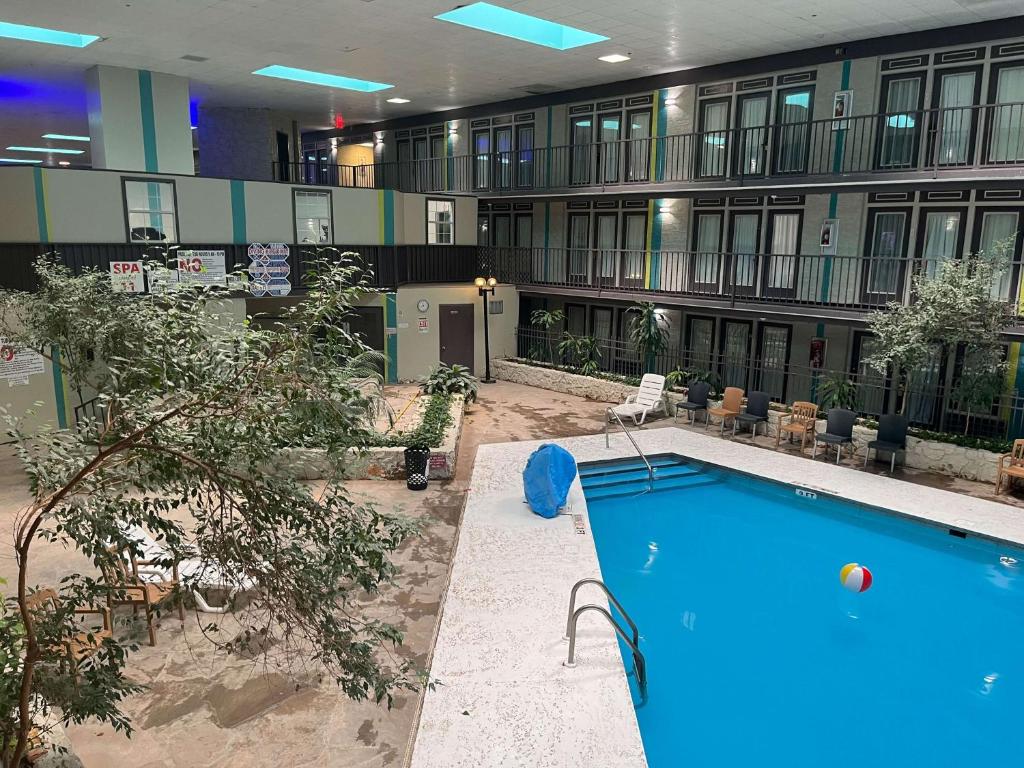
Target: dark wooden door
456,334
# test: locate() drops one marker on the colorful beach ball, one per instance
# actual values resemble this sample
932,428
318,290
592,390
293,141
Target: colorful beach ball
855,577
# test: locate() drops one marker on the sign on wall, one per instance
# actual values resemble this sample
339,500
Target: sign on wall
423,325
17,363
202,267
269,269
842,105
829,234
127,277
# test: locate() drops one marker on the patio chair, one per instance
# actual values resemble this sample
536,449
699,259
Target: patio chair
755,413
648,398
732,402
801,420
128,587
838,432
696,400
198,574
892,437
1011,465
77,647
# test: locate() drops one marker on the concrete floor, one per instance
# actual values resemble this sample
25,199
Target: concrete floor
204,709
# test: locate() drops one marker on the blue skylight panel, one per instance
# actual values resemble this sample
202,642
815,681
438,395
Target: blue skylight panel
321,78
520,26
44,35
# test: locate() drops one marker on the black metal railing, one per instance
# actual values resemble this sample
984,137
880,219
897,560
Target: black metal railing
383,266
935,140
838,282
924,399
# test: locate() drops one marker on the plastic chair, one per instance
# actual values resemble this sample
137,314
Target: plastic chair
696,400
838,432
756,413
892,437
648,398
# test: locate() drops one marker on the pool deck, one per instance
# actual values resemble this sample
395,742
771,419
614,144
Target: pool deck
504,697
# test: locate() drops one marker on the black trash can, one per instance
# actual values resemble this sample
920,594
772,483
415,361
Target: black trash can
416,460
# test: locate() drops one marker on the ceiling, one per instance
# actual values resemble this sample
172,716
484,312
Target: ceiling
435,64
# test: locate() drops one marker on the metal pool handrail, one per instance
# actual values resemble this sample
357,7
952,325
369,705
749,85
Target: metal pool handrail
639,663
607,444
611,598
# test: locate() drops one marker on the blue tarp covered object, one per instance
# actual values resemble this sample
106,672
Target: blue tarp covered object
546,479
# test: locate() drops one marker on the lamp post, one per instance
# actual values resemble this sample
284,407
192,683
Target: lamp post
484,286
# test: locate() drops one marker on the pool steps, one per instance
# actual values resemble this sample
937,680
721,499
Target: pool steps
629,477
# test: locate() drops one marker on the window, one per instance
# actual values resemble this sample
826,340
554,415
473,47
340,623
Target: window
793,129
1007,115
440,222
151,210
887,243
312,216
899,125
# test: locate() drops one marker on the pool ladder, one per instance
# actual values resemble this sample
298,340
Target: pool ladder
639,662
611,414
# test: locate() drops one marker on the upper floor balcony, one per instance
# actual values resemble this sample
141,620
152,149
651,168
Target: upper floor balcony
983,141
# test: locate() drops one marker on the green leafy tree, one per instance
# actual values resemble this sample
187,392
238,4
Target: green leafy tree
956,308
648,330
192,407
838,391
582,352
548,320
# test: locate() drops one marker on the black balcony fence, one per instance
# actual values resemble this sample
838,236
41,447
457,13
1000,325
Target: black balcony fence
964,137
858,283
924,399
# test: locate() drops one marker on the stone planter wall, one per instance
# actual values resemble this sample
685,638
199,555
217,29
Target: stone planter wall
943,458
381,463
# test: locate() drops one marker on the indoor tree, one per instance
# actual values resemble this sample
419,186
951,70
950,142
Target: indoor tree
548,320
956,309
192,407
648,330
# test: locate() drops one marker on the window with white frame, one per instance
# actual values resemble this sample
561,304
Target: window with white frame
150,210
312,216
440,222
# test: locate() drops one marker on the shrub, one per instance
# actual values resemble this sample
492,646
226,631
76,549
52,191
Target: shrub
451,380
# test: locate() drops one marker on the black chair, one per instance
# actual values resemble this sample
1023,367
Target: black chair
892,437
838,432
696,400
756,412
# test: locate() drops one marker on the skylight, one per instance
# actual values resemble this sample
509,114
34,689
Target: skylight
321,78
43,35
18,160
502,21
47,150
64,137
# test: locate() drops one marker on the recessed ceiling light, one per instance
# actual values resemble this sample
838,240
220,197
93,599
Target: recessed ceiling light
18,160
64,137
47,150
44,35
398,100
366,144
613,58
63,162
520,26
321,78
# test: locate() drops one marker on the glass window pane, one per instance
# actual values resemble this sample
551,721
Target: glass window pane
956,94
151,214
781,269
900,123
709,243
998,238
744,245
701,337
792,132
753,118
886,252
735,362
714,138
582,148
941,230
773,356
1007,142
639,146
524,156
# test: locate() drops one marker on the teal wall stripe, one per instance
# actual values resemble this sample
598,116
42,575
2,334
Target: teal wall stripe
238,222
547,150
391,335
656,245
660,130
148,120
547,237
389,217
44,230
833,199
58,387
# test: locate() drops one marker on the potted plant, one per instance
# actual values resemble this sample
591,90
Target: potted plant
417,460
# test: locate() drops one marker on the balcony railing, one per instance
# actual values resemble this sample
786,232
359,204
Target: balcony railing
384,266
858,283
930,140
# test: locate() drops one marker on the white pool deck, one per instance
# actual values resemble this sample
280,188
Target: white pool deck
503,697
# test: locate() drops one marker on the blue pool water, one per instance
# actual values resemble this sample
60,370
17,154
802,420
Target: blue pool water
756,654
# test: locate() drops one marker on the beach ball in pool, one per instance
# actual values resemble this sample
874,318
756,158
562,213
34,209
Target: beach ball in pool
855,577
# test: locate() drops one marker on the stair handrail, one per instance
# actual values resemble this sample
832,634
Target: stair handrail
611,599
610,412
639,662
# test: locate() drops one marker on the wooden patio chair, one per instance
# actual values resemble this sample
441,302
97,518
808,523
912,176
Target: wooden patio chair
1011,465
127,587
801,420
732,404
79,646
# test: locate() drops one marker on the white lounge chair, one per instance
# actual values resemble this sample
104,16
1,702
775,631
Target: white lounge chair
649,398
195,573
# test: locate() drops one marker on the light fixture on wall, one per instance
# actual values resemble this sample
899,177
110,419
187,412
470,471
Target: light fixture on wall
667,208
485,286
453,128
366,144
670,101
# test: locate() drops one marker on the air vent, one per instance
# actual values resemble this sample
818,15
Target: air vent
192,57
538,88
